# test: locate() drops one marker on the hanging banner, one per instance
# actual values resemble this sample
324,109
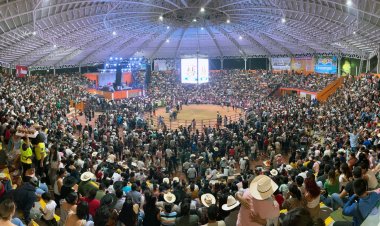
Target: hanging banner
164,65
281,63
303,64
21,71
326,65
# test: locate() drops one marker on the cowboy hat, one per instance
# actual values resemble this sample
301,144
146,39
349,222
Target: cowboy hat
166,180
169,197
93,154
175,179
231,203
208,199
86,176
274,172
288,167
109,200
262,187
192,156
246,158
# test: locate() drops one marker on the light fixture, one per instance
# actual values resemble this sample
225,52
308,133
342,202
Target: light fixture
194,20
283,20
167,40
111,58
168,27
202,9
240,37
228,21
34,33
55,46
349,2
354,32
161,18
202,28
114,33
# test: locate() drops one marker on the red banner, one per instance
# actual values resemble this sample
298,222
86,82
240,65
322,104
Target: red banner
21,71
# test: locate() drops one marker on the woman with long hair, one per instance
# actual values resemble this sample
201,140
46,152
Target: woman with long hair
7,210
294,198
312,196
345,176
57,186
55,160
152,213
128,215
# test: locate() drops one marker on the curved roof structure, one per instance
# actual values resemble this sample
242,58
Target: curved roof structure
72,32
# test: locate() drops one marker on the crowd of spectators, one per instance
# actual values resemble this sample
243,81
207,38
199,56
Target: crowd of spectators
116,169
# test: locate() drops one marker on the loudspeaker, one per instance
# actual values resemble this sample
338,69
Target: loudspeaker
118,75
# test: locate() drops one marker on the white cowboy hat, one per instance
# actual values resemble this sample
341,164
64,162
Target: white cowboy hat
175,179
200,158
288,167
166,180
274,172
192,156
216,149
231,203
208,199
246,158
169,197
262,187
93,154
134,164
86,176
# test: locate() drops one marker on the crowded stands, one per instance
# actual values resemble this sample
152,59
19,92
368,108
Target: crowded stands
286,162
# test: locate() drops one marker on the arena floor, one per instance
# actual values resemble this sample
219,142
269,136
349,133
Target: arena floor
204,114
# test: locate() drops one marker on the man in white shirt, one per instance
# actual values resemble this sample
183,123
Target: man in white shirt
49,210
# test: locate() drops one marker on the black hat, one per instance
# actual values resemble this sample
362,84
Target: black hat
69,181
357,172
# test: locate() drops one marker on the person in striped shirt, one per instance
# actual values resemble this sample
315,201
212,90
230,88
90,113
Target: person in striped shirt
168,216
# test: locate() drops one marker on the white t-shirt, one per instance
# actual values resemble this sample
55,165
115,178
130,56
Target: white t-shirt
49,210
116,177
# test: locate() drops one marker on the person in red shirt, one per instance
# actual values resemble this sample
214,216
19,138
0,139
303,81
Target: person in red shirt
93,204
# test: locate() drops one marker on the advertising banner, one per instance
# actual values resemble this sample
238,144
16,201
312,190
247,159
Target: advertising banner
326,65
164,65
302,64
281,63
21,71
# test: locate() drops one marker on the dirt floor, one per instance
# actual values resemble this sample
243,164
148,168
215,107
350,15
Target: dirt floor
204,114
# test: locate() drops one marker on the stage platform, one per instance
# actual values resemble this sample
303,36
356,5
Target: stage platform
116,95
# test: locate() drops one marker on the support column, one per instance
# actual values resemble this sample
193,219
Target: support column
269,64
245,63
221,63
368,65
54,71
80,69
151,64
339,66
360,66
378,60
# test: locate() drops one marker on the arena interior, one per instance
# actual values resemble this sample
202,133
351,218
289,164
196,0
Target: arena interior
189,112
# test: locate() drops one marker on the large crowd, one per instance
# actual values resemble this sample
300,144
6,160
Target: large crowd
115,168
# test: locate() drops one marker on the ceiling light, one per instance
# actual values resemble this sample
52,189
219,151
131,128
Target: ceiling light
354,32
55,46
240,37
34,33
114,33
161,18
167,27
202,28
194,20
228,21
202,9
167,40
349,3
283,20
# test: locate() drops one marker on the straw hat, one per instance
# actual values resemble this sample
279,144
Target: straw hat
86,176
175,179
192,156
169,197
262,187
166,180
288,167
246,158
274,172
208,199
232,203
93,154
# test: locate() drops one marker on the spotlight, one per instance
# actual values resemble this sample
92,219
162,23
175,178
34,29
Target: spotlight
228,21
121,58
194,20
55,46
130,58
202,9
283,20
167,40
354,32
168,27
240,37
115,65
114,33
161,18
106,65
202,28
349,3
34,33
111,58
116,58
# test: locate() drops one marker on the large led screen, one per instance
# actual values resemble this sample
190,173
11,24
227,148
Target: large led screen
194,70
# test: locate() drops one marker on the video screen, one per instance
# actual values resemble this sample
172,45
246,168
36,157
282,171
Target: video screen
194,71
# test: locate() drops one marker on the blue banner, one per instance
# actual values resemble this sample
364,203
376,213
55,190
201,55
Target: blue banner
326,65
